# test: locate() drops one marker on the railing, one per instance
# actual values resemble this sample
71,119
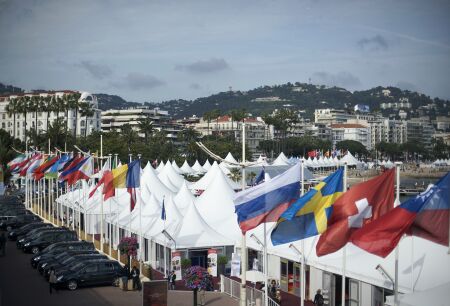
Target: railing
255,297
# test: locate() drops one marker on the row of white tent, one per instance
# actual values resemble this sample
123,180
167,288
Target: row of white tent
209,221
441,163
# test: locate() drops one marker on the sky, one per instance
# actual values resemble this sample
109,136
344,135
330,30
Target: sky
156,50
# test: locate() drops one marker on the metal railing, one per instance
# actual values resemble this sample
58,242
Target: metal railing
255,297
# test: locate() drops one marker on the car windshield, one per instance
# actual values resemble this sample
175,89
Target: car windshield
76,266
59,256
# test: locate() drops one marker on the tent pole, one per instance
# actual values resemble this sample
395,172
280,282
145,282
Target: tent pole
302,261
397,202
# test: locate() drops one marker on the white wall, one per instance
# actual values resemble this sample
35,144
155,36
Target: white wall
315,281
366,294
274,266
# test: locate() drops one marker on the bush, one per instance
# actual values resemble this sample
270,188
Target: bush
185,263
222,260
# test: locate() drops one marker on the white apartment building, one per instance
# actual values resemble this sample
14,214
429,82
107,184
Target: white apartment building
255,129
333,116
351,131
74,120
387,130
114,119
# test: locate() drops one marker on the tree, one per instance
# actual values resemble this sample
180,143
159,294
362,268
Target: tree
237,115
353,146
146,126
23,107
235,174
129,135
73,102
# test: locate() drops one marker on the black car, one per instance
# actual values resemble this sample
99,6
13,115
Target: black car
91,272
71,260
57,258
33,234
12,235
56,248
48,238
18,221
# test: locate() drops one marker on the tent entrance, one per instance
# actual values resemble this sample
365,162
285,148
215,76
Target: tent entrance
199,258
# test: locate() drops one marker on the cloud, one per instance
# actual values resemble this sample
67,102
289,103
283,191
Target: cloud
97,71
341,79
138,81
204,66
375,43
406,86
195,86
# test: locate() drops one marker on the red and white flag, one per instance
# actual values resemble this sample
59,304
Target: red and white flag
362,204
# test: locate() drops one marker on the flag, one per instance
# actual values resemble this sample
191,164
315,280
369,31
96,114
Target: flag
133,180
163,212
308,216
39,172
120,176
362,204
107,181
34,162
18,167
260,178
27,163
16,161
381,236
82,170
70,166
52,172
267,201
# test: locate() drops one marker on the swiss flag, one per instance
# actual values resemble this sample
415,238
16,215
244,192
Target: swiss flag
360,205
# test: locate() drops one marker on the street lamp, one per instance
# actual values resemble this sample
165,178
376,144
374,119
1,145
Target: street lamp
168,236
385,274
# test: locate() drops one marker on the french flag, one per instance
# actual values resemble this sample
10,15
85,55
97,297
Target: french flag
267,201
425,215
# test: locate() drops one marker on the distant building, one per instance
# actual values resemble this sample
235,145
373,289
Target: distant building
84,126
420,131
334,116
351,131
362,108
114,119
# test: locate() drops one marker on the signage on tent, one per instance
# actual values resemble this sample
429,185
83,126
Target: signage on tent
176,264
212,262
236,265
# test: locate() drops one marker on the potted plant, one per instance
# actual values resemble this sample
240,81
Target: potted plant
197,278
185,263
222,260
129,247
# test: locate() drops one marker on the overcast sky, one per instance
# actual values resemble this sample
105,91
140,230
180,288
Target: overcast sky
159,50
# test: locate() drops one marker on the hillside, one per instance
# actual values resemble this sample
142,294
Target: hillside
9,90
106,102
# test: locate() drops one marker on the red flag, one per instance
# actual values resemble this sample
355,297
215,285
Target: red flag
39,172
108,186
360,205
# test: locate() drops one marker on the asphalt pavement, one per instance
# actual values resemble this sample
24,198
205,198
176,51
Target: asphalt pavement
21,285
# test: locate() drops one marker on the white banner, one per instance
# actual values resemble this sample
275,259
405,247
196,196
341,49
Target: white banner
236,264
176,264
212,262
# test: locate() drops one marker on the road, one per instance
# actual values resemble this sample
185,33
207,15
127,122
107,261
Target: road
21,285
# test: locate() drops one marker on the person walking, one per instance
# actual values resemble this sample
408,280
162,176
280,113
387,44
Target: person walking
3,244
318,298
135,273
52,281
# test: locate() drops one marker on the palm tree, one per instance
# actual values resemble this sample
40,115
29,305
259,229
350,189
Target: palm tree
11,109
86,111
237,115
49,105
35,105
235,174
23,106
129,134
146,126
72,102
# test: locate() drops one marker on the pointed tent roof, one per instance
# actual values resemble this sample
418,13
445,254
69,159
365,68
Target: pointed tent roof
206,165
154,185
212,173
216,206
230,158
168,174
224,167
183,198
198,168
350,159
281,160
186,168
176,168
150,209
160,167
194,231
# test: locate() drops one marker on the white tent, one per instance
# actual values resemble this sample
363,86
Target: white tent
350,159
281,160
160,167
210,176
176,168
230,158
206,165
198,168
186,169
183,198
169,175
150,180
224,167
216,206
437,296
261,161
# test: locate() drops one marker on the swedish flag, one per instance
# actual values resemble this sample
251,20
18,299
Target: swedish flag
308,216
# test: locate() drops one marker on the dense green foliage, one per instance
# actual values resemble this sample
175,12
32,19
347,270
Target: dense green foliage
355,147
294,146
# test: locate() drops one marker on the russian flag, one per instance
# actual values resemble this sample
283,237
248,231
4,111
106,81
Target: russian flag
267,201
417,215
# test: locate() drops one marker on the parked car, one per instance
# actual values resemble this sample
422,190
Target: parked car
91,272
18,221
48,238
63,256
59,266
56,248
12,235
21,240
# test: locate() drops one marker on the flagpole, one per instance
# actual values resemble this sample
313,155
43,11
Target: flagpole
110,225
397,202
344,249
243,295
117,218
302,259
141,240
101,195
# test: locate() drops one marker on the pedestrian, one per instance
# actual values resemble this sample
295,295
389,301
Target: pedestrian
3,244
135,273
273,288
173,278
52,281
318,298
